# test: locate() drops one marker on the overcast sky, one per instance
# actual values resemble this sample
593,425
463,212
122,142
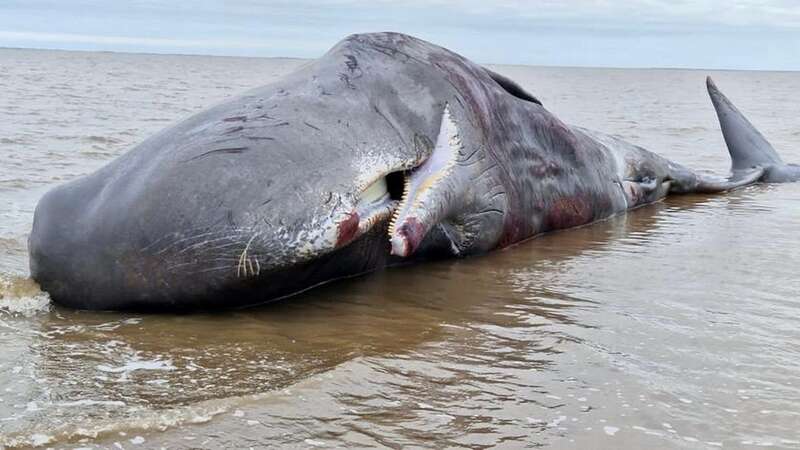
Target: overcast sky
735,34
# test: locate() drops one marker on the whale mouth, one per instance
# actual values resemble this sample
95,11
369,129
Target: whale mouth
390,188
379,201
415,197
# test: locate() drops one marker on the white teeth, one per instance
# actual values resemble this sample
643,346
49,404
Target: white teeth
400,206
375,191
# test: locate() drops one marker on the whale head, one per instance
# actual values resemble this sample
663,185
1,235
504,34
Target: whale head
362,158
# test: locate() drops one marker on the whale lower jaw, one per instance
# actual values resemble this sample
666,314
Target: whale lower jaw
421,206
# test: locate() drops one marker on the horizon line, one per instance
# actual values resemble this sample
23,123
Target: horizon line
555,66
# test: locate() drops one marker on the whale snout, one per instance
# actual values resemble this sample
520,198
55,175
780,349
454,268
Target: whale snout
94,249
75,260
47,247
80,263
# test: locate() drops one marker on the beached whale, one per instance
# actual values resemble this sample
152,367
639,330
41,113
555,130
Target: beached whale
387,149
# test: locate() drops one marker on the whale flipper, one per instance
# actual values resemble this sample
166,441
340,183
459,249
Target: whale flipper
686,181
739,178
747,146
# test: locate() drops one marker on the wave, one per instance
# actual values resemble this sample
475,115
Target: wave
15,141
685,130
101,139
145,421
21,296
140,421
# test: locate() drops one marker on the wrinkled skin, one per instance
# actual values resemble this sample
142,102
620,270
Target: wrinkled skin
387,149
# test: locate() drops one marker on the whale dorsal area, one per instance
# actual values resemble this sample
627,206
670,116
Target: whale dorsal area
512,87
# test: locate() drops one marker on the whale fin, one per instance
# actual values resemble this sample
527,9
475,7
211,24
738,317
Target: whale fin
747,146
740,178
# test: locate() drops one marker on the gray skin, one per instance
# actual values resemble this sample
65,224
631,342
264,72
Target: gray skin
386,150
747,146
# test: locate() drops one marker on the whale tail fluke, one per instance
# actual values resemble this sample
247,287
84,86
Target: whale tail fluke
752,158
747,146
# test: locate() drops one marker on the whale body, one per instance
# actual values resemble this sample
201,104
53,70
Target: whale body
386,150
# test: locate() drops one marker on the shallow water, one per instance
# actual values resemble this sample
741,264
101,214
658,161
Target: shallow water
675,326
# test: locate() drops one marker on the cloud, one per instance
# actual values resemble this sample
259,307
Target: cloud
139,41
781,13
684,33
756,13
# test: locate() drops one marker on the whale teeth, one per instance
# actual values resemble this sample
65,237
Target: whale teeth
401,205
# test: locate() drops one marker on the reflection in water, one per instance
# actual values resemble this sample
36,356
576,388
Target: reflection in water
672,326
476,330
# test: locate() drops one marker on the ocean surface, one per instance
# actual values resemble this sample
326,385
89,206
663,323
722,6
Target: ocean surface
675,326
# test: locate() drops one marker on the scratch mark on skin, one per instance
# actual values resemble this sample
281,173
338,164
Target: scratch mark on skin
458,99
229,150
180,241
311,126
346,80
235,119
380,113
218,257
336,206
490,211
468,157
351,63
179,265
213,269
496,194
387,49
225,243
257,138
486,170
242,267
